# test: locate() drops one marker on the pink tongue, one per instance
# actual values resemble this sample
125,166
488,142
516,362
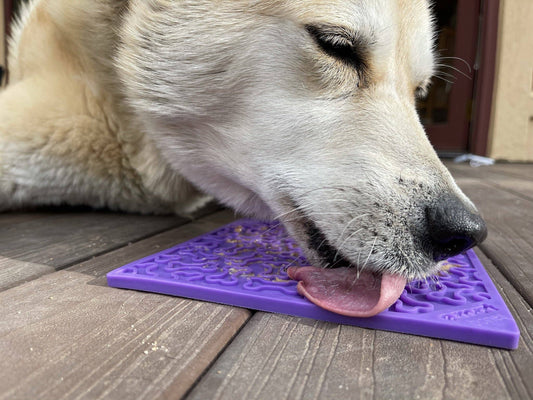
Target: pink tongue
341,291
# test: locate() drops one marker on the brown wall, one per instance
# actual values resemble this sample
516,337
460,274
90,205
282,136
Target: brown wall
511,135
2,38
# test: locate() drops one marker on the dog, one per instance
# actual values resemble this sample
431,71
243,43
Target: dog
299,110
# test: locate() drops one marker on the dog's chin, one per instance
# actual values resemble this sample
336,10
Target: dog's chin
340,286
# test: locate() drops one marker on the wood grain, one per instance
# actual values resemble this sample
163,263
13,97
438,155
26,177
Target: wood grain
62,338
12,218
98,267
64,238
283,357
518,181
290,358
14,272
523,170
515,367
510,223
67,335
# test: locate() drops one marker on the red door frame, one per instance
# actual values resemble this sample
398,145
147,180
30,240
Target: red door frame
484,90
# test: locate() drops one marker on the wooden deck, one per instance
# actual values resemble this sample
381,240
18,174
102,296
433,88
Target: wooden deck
65,335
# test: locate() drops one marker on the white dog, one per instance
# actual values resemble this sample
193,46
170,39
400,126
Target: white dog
293,109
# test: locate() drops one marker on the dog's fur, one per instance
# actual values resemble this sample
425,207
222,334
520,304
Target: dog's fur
144,105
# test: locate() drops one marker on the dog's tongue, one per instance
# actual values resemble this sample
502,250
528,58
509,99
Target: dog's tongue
344,291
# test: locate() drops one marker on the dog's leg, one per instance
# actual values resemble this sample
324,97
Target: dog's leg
51,152
59,146
58,140
64,136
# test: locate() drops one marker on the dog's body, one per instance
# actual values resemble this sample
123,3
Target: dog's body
66,134
301,110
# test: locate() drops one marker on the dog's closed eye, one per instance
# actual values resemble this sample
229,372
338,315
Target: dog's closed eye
340,44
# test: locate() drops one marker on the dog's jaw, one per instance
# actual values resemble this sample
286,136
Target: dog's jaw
339,285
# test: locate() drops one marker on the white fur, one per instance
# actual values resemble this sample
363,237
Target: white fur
129,104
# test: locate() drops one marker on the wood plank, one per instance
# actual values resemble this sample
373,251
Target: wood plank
67,335
64,238
16,217
518,180
62,338
13,272
277,356
510,241
524,170
514,367
100,266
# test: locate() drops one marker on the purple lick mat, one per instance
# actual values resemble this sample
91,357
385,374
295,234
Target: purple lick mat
243,264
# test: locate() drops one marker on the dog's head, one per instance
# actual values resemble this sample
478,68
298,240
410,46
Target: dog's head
305,111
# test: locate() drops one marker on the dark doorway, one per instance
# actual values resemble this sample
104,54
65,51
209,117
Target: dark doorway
446,112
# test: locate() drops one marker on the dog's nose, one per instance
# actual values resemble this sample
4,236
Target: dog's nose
453,228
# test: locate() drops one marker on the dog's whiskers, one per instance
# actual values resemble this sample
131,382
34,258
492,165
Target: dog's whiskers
444,73
339,248
455,69
370,252
459,59
347,225
444,79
